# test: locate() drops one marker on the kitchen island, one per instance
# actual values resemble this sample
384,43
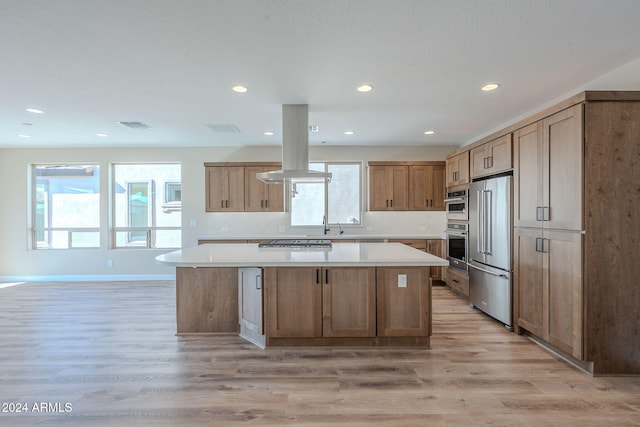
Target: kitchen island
357,294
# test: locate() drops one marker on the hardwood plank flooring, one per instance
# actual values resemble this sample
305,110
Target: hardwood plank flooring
109,351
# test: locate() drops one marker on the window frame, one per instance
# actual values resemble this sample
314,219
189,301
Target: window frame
151,231
48,230
361,191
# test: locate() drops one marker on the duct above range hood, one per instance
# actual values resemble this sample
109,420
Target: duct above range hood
295,149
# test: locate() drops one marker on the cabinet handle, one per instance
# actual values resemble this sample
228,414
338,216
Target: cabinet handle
391,202
538,213
266,203
546,213
222,204
326,276
428,247
541,245
258,281
317,276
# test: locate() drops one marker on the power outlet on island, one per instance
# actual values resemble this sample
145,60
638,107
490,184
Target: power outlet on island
402,280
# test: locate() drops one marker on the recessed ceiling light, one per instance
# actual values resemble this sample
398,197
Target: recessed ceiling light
490,87
34,110
349,132
102,135
268,133
364,88
23,135
429,132
239,89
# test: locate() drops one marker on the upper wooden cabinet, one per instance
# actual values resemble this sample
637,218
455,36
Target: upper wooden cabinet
458,169
389,188
426,188
401,186
233,187
549,171
492,157
224,187
259,196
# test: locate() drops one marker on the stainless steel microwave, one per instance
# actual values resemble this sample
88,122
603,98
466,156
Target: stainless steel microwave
456,205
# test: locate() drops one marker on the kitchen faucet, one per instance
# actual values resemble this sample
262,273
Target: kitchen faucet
325,225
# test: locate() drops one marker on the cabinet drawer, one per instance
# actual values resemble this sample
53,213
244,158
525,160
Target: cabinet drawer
457,280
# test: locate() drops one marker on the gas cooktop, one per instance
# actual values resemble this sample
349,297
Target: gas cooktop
295,243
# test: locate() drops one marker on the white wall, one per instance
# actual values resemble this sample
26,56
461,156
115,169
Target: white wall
18,262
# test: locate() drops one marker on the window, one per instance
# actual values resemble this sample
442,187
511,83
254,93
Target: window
147,205
339,201
66,206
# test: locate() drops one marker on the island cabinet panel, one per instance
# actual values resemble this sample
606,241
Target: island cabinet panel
349,302
293,302
207,299
308,302
404,297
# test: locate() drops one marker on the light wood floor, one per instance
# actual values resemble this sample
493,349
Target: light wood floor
109,350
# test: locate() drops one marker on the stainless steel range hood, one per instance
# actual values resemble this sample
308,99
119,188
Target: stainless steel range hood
295,149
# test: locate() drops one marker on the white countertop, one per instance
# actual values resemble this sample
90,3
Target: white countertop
328,236
343,254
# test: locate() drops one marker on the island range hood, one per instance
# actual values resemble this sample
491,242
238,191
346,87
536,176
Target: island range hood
295,149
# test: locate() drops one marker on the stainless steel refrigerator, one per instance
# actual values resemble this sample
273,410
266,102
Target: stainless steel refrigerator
490,269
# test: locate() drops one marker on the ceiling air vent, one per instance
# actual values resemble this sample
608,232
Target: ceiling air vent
135,125
224,128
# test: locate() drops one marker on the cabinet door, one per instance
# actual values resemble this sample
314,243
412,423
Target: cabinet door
224,189
378,188
389,188
261,197
458,170
563,154
527,183
528,278
563,278
426,188
349,302
293,302
436,247
404,297
491,158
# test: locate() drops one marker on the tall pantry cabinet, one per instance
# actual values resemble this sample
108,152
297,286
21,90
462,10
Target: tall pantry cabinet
577,229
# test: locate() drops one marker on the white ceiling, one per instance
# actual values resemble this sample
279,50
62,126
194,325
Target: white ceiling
171,64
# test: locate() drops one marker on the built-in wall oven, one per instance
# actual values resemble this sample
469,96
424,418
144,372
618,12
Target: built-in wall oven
458,245
456,205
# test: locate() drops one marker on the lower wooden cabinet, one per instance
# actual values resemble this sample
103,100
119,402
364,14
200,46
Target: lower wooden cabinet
404,297
320,302
207,299
548,274
457,280
431,246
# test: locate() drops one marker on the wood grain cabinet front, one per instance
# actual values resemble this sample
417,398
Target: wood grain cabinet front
404,299
320,302
224,188
458,169
389,188
492,157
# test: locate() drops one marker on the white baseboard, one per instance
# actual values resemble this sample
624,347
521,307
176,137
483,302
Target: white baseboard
89,278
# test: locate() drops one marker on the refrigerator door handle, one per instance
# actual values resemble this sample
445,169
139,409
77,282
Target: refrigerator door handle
487,271
480,221
488,214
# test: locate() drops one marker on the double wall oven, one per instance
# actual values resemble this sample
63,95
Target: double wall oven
457,228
